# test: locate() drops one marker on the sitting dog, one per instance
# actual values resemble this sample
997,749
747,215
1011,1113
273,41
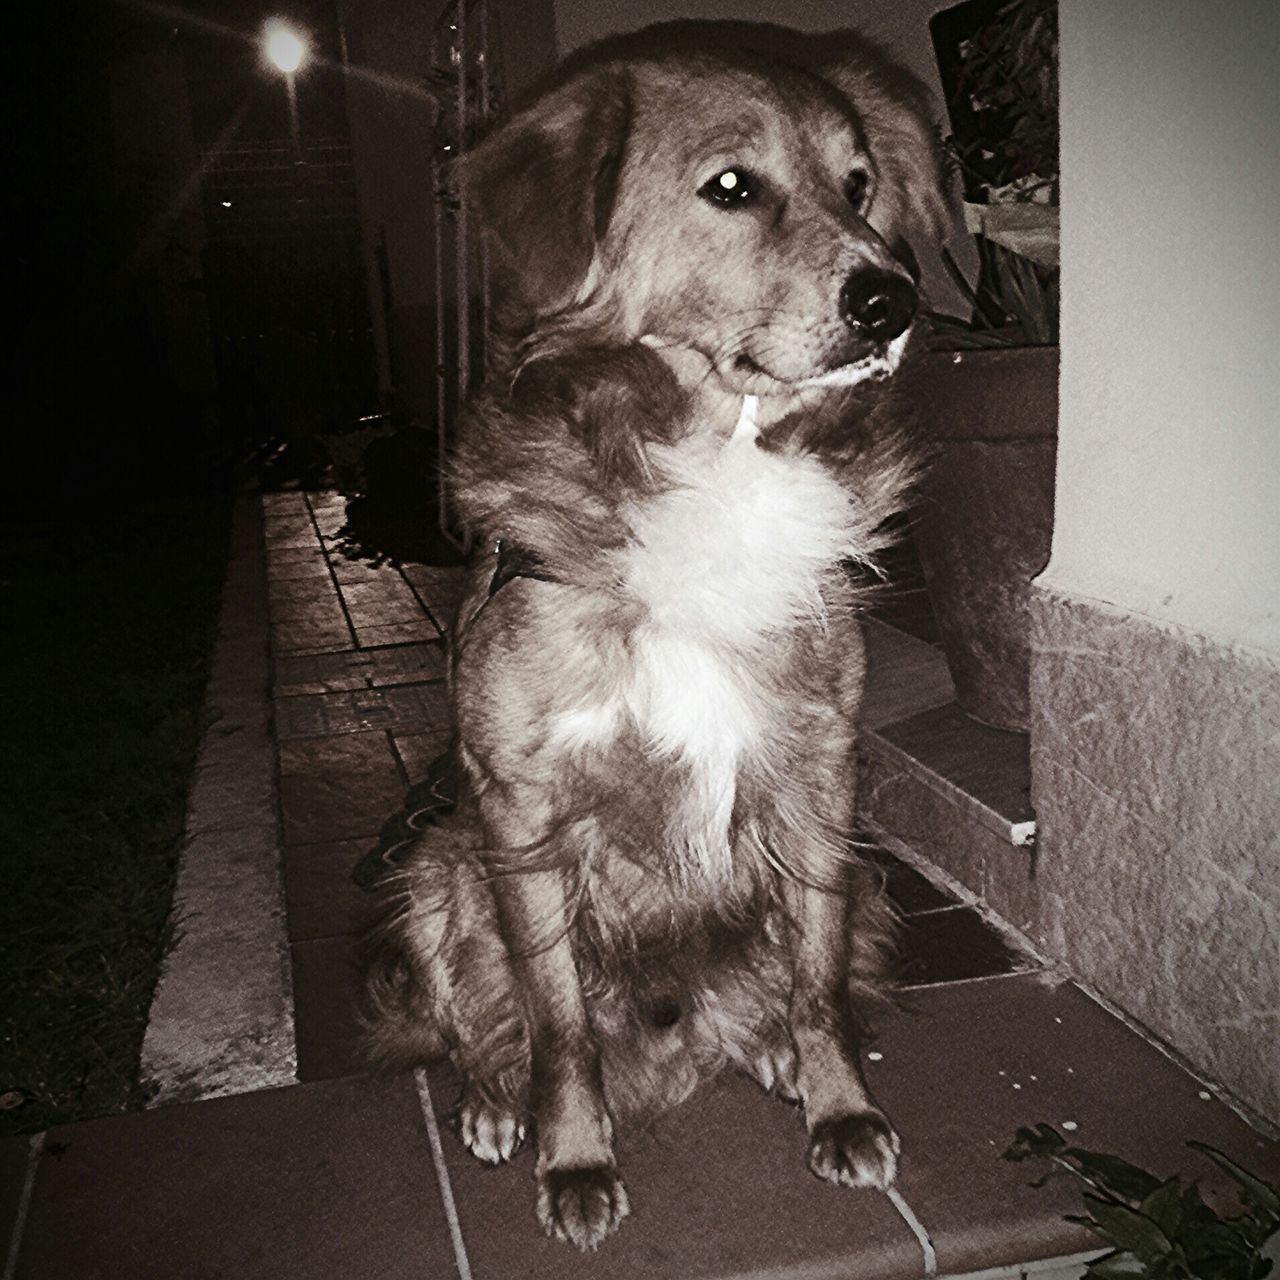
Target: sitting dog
702,243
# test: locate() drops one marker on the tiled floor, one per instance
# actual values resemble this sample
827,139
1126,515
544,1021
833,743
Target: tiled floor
340,1176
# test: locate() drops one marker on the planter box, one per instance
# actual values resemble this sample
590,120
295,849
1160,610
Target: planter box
984,523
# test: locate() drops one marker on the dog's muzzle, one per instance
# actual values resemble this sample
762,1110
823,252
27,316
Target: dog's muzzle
877,305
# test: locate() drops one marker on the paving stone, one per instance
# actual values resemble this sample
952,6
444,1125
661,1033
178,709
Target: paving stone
338,787
311,637
323,900
284,503
348,572
400,614
326,1180
307,567
418,750
955,945
289,531
718,1188
298,589
326,984
395,598
331,520
964,1066
393,633
319,608
406,663
403,707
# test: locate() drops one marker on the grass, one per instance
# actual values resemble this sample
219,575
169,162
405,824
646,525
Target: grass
106,642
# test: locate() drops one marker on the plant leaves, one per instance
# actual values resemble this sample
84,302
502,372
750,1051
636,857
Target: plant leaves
1164,1207
1118,1176
1256,1194
1129,1230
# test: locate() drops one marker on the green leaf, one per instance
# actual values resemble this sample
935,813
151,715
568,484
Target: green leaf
1118,1176
1129,1230
1256,1193
1164,1207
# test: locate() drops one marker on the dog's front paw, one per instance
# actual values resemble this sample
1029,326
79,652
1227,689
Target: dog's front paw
775,1071
492,1134
859,1150
581,1205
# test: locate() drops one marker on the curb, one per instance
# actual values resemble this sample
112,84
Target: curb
221,1021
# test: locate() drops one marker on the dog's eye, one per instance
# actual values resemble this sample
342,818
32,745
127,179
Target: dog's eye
855,188
732,187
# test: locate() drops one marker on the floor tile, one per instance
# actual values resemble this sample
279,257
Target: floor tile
392,595
963,1067
356,571
321,898
718,1187
331,1180
13,1176
991,765
311,637
299,589
319,609
418,750
394,707
955,945
406,663
309,567
326,984
284,503
375,634
339,787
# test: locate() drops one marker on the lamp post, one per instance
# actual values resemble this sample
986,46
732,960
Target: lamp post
286,50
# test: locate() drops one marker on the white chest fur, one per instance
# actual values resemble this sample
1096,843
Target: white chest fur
726,558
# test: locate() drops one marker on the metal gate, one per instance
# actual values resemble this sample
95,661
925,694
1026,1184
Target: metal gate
466,79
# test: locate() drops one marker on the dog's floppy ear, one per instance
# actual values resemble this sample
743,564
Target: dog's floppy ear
541,186
914,201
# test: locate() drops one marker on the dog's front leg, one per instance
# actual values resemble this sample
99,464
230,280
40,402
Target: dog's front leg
580,1196
851,1142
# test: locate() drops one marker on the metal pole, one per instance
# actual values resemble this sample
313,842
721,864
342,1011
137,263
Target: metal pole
463,276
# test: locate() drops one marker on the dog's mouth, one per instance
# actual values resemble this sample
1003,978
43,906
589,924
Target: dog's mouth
874,365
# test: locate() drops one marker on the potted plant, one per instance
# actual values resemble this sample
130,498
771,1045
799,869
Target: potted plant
986,393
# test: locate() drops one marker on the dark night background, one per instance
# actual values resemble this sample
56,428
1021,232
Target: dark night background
161,335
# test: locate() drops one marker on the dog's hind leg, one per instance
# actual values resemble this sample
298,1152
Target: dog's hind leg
443,982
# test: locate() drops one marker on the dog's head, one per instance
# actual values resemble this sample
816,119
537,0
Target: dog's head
740,191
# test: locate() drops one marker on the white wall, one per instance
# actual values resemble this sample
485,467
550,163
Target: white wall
1169,450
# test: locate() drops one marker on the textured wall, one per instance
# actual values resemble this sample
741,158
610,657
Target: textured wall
1156,781
1155,675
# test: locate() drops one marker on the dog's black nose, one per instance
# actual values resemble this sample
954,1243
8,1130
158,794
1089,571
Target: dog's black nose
878,304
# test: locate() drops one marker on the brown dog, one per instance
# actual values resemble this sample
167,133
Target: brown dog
702,235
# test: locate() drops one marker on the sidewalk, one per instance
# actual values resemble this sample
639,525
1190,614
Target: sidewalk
276,1154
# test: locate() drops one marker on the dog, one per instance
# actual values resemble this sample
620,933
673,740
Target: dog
703,239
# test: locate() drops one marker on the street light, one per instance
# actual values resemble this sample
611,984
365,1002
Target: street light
286,50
